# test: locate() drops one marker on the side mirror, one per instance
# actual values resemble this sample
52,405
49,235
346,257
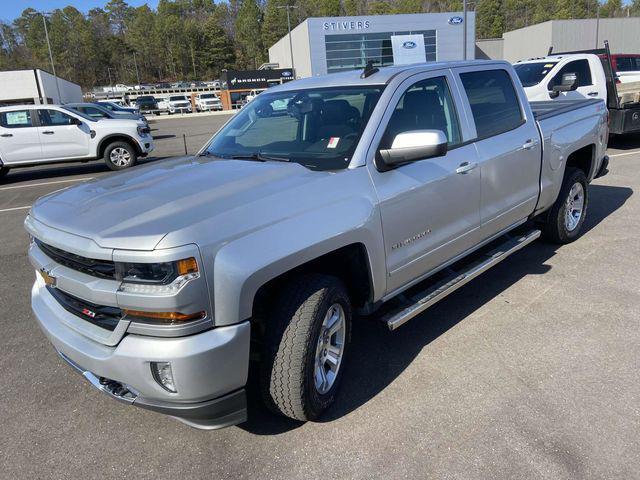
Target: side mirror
568,84
76,121
415,145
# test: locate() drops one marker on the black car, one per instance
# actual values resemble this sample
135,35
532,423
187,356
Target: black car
147,103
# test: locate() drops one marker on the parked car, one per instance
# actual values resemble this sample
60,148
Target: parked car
99,112
379,191
626,67
147,104
207,102
36,134
586,74
213,84
179,104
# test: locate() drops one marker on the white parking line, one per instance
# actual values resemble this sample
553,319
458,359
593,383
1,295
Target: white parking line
14,208
46,183
623,154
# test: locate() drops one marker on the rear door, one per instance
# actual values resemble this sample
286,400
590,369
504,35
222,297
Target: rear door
61,137
429,208
507,143
19,140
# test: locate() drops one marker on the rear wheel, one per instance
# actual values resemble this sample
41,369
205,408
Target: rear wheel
566,217
306,344
120,155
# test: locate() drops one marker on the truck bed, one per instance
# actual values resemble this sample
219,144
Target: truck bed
552,108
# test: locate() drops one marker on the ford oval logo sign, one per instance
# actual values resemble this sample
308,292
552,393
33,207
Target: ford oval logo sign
455,20
286,74
409,45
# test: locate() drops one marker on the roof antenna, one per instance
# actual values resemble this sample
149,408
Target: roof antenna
369,70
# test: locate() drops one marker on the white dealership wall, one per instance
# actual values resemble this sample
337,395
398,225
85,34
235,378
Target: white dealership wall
36,87
309,47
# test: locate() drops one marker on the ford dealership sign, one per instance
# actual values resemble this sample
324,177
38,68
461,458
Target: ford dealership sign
455,20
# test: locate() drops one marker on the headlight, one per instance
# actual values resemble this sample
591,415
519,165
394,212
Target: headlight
142,131
157,278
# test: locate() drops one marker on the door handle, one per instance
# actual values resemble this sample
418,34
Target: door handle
7,135
48,132
529,144
592,94
465,167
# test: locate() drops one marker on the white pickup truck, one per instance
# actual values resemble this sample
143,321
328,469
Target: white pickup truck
208,102
179,104
37,134
585,74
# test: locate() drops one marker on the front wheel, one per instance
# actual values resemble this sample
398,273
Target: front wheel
120,155
307,338
566,217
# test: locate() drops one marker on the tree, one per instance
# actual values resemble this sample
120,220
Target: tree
274,26
218,51
248,34
490,19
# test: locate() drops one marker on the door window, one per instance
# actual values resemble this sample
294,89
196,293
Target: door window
494,102
16,119
579,67
627,64
53,118
426,105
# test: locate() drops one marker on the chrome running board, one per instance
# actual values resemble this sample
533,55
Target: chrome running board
419,302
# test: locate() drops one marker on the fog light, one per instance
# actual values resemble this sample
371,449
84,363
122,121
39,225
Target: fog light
163,375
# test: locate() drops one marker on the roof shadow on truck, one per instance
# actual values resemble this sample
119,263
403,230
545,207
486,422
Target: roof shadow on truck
379,356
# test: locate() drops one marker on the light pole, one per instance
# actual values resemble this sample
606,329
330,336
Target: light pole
110,83
464,29
135,63
597,23
288,8
53,67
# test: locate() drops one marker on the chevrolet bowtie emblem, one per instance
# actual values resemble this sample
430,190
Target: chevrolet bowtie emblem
48,279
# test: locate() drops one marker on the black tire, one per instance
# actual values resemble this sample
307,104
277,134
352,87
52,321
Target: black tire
130,152
3,171
555,229
291,341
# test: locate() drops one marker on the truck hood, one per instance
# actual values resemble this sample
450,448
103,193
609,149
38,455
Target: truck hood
135,210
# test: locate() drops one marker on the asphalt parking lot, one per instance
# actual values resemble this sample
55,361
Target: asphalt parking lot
530,372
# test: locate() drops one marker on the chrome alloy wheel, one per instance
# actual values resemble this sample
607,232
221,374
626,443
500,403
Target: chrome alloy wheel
574,207
330,348
120,157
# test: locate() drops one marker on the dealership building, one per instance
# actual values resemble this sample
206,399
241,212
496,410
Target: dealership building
563,36
36,87
333,44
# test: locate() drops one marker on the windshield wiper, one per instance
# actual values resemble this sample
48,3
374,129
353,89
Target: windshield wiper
259,157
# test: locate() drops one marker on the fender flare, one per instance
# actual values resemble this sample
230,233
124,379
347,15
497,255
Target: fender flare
102,145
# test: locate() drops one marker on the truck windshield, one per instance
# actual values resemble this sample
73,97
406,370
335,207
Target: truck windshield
208,95
317,128
178,98
531,74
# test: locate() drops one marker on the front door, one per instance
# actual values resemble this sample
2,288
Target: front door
19,141
61,137
430,208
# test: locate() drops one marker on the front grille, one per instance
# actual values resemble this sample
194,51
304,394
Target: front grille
90,266
104,317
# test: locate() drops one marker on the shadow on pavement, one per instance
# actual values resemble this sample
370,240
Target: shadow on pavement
379,356
624,142
51,172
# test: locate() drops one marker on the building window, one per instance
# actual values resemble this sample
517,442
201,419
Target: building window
353,51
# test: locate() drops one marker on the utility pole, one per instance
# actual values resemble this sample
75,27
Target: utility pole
110,84
288,8
597,23
464,29
135,62
53,67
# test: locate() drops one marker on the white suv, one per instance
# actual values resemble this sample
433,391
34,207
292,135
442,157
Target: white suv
179,104
207,101
34,134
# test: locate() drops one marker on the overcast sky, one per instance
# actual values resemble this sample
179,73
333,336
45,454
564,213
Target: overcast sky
11,9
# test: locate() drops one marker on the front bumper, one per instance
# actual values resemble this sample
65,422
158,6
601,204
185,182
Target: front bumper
210,368
145,144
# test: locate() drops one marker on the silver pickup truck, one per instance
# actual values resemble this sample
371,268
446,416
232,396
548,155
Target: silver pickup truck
375,192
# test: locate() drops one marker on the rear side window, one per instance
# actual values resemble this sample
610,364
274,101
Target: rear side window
627,64
580,68
54,118
16,119
494,102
